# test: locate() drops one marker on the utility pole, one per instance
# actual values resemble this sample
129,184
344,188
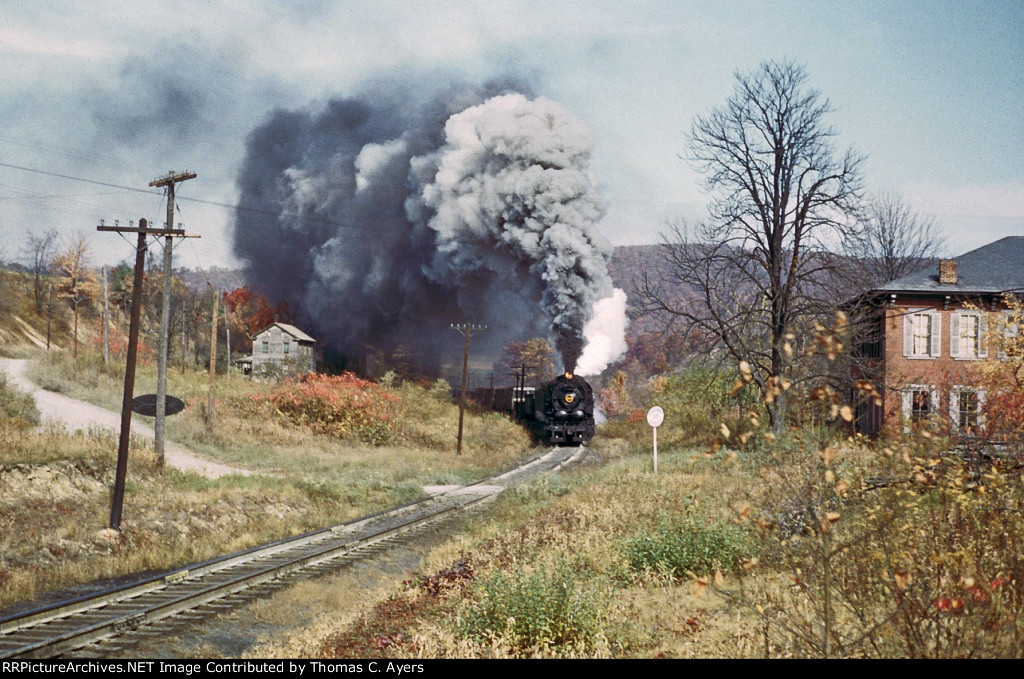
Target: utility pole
466,329
169,181
183,338
106,320
213,362
227,333
129,373
49,314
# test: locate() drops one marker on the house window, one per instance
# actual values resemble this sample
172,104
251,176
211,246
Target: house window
266,346
920,402
287,345
968,407
1010,344
921,334
965,405
920,405
968,333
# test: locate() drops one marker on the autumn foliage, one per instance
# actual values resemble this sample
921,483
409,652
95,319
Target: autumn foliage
343,405
253,309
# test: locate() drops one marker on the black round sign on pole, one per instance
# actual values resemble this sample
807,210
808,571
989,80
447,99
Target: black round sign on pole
146,405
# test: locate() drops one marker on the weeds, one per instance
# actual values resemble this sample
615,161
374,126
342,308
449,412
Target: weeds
687,543
554,606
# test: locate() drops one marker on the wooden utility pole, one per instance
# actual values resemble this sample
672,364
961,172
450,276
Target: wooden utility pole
106,320
213,362
129,373
466,329
184,344
169,181
227,334
49,314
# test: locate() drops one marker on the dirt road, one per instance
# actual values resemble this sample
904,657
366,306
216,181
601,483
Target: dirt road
81,415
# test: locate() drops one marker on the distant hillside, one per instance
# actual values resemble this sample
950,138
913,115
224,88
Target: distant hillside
22,326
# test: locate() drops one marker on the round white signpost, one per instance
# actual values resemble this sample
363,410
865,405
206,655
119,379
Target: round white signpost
655,416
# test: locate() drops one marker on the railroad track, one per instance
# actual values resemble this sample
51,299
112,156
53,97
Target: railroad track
154,606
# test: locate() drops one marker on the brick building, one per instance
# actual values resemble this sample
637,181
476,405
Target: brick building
930,339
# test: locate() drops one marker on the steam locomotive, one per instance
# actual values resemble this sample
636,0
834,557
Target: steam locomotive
560,412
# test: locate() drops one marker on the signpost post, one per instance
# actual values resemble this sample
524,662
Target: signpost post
655,416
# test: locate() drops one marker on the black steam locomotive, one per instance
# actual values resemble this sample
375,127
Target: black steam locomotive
560,412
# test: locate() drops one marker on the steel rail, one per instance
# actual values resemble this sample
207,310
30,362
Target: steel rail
66,626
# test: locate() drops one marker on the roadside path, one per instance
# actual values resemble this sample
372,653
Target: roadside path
76,415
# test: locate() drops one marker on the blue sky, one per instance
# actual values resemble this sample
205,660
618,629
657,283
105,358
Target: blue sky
932,93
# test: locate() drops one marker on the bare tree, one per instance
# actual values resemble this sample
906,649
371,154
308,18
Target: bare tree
37,255
893,241
780,195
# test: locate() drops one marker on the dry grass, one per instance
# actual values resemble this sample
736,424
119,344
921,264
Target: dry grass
55,486
926,566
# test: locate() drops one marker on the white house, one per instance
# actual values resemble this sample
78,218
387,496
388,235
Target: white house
280,349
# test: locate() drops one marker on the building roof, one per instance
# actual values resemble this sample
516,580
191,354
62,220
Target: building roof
996,267
290,329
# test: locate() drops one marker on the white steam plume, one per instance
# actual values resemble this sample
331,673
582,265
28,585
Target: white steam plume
604,335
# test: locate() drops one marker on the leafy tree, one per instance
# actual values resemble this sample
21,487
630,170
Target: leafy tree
781,195
534,356
76,282
254,311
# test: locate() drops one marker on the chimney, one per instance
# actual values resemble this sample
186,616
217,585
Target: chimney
947,271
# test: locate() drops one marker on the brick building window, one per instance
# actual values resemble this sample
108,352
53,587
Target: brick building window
922,334
920,405
920,402
968,334
965,409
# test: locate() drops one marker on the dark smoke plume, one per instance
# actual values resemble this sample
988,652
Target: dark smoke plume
385,217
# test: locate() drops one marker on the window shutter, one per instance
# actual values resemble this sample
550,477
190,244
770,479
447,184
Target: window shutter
954,334
981,408
936,328
908,335
954,407
907,399
983,335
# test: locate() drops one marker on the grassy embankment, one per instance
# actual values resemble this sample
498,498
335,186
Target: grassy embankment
55,486
806,545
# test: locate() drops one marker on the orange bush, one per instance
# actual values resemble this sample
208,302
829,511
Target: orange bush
343,405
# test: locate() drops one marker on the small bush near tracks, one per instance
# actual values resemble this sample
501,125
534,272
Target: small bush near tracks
17,405
682,544
344,406
553,607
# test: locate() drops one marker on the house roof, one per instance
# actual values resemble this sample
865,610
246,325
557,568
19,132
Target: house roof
992,268
290,329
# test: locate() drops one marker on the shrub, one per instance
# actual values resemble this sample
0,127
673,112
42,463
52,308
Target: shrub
440,390
688,544
551,607
343,405
16,404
